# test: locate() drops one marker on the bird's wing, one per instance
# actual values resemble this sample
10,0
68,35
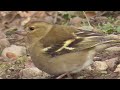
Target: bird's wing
57,34
72,45
86,33
65,39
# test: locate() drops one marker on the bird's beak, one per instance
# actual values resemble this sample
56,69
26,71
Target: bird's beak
21,32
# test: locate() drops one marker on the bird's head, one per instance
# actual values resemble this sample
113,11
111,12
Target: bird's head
36,30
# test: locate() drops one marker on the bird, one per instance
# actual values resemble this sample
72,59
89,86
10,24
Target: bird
59,49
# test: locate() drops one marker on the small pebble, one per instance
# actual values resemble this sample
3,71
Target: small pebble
100,65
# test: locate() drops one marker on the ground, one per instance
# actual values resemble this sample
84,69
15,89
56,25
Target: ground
18,64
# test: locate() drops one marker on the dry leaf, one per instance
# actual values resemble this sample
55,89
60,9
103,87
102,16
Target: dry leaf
25,21
49,19
90,13
26,14
76,20
40,14
11,55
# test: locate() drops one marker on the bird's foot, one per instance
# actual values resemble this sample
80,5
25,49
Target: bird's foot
63,75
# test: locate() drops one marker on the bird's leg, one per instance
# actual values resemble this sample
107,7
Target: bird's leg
69,76
61,76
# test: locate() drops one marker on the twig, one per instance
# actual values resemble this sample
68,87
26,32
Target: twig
87,18
56,16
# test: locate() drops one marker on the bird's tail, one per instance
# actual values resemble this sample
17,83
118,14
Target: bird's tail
106,44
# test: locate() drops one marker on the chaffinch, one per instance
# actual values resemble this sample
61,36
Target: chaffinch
57,49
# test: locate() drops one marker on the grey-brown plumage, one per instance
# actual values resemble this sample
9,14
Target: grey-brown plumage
58,49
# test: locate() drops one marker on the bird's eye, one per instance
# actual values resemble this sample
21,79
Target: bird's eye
31,28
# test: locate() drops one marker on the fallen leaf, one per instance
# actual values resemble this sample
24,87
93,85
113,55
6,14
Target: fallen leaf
90,13
25,21
102,19
49,19
76,20
11,55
